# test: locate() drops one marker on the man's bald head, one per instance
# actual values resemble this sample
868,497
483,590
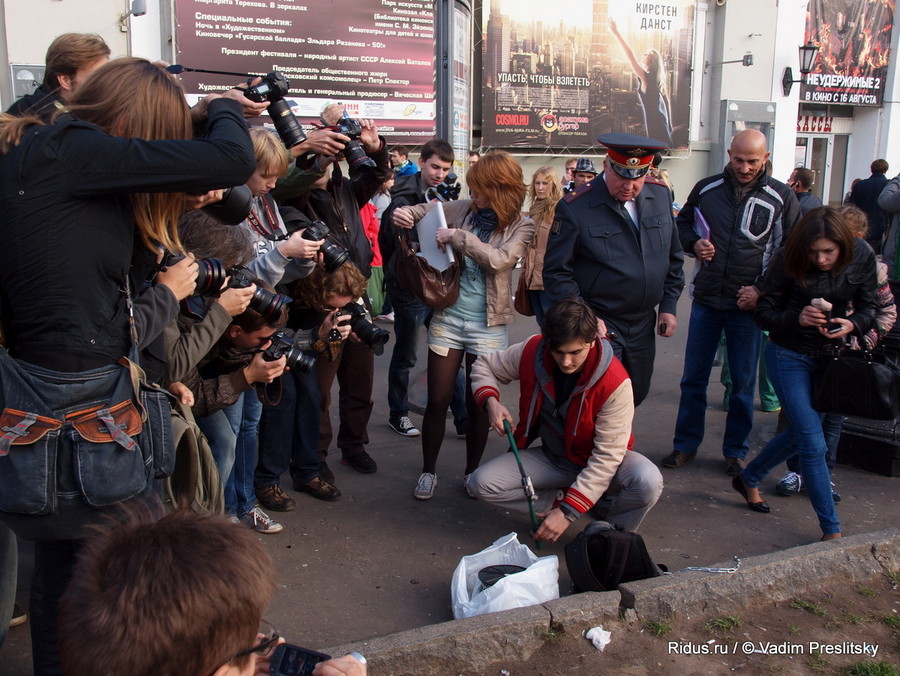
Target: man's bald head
748,154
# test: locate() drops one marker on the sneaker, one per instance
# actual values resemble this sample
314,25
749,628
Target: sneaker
425,487
389,317
319,489
403,426
18,616
361,462
261,522
790,484
325,473
466,479
275,499
232,518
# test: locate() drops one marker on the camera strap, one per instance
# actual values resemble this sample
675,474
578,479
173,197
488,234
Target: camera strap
271,229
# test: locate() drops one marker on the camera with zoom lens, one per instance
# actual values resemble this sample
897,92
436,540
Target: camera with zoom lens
211,273
445,191
335,256
365,330
283,346
354,152
266,303
272,88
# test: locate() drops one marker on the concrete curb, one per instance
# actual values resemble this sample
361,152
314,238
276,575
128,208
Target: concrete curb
514,635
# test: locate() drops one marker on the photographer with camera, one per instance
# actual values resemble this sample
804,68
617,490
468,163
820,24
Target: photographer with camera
220,383
289,435
336,202
79,196
435,163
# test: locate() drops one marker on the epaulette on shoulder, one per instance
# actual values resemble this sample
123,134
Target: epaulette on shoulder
654,180
578,192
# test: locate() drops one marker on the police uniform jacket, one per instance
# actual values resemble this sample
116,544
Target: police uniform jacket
595,253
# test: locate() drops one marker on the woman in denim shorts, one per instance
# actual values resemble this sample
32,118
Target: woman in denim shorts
488,234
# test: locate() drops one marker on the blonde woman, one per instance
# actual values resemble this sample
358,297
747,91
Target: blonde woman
544,192
652,93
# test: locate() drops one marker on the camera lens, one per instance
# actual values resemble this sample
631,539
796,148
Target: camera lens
268,304
334,256
356,156
286,123
298,360
211,275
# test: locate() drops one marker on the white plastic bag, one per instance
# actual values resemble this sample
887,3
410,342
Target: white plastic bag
539,582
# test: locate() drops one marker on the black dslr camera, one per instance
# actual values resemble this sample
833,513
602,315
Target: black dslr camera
282,345
211,273
273,88
266,303
354,153
365,330
445,191
335,256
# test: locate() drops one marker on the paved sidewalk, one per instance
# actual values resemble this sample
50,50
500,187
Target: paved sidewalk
379,562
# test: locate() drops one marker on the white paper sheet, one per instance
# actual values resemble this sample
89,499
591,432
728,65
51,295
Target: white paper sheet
428,248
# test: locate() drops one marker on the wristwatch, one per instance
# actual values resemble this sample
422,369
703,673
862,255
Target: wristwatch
571,514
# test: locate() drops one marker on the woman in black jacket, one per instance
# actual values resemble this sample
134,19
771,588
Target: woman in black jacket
806,291
81,199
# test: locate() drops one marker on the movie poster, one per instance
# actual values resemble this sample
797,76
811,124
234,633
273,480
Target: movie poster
562,74
854,38
374,56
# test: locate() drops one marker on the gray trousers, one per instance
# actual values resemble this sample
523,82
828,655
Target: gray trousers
633,491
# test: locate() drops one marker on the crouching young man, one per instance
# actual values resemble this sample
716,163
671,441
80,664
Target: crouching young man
576,397
181,594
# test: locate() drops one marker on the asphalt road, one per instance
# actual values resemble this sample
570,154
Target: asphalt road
378,561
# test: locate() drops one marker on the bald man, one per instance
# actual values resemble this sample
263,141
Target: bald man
731,223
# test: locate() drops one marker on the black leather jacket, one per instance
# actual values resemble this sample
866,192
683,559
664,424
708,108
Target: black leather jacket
783,299
68,232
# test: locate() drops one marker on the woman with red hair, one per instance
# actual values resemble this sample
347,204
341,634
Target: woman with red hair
488,234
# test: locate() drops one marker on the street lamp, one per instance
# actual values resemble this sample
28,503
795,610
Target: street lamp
808,53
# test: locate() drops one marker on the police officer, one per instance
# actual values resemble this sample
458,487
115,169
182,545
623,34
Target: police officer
614,244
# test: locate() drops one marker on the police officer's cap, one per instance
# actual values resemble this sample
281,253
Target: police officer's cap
630,155
586,166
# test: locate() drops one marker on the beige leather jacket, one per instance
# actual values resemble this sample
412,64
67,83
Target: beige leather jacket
498,256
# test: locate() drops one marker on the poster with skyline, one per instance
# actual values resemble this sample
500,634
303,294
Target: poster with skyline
597,66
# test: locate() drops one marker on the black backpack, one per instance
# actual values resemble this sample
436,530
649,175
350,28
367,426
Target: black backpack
603,556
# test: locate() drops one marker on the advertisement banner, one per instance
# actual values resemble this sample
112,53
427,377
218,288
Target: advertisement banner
854,38
374,56
587,67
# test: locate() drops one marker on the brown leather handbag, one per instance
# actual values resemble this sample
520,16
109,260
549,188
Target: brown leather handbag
436,289
522,301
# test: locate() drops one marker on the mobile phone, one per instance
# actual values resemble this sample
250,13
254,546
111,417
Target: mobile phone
833,327
292,660
662,328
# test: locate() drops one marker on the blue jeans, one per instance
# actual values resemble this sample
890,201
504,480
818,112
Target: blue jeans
408,319
540,303
742,338
289,432
792,375
244,417
832,426
9,558
222,441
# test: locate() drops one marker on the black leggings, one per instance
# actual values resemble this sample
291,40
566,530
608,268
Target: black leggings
441,378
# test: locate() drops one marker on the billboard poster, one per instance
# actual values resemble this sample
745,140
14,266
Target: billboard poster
561,78
374,56
854,38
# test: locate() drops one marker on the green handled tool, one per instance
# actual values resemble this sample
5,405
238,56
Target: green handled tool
527,486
